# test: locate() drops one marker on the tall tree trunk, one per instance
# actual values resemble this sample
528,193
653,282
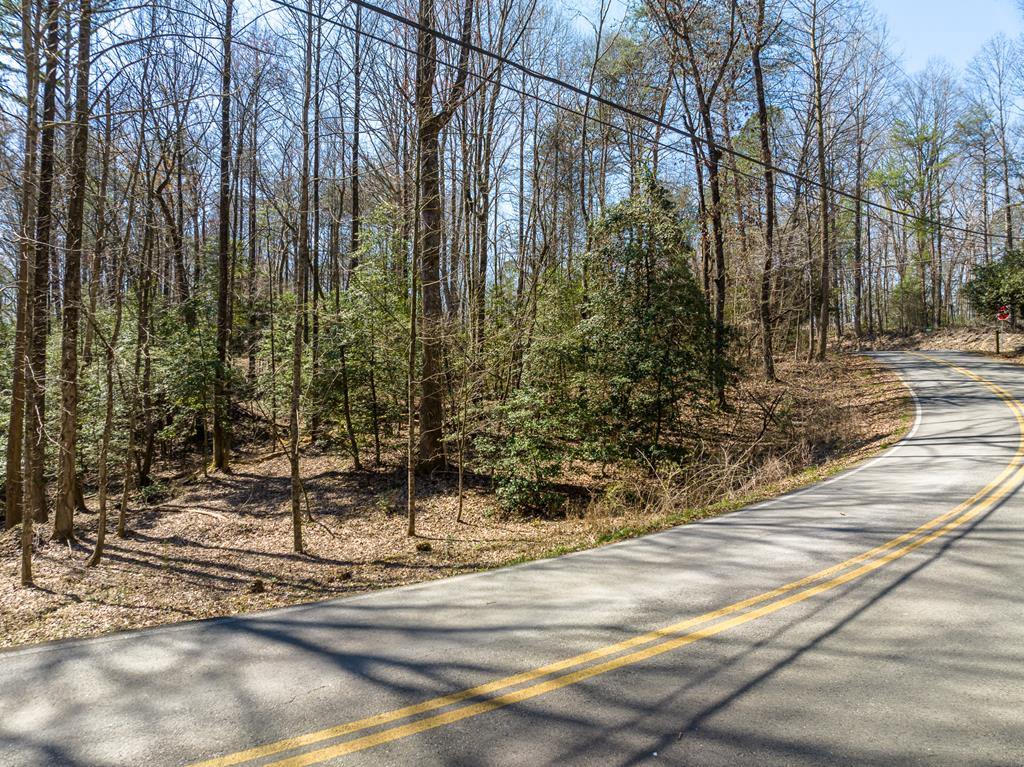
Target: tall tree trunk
431,447
96,268
937,263
314,426
357,93
858,239
63,527
870,285
35,415
39,288
110,346
15,485
301,258
430,125
410,474
984,201
253,335
1007,210
825,286
718,236
706,89
220,391
702,223
764,307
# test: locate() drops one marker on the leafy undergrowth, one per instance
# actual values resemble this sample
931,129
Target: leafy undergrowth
222,545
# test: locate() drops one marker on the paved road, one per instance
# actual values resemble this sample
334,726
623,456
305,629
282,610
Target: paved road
874,619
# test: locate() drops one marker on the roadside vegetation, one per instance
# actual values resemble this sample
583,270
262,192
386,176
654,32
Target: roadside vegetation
304,298
221,545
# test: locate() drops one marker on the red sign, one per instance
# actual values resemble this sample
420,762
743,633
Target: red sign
1004,314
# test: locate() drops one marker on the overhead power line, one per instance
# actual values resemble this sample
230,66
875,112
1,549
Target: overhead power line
685,133
611,104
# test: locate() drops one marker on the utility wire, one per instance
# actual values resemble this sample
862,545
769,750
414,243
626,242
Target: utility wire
575,89
675,147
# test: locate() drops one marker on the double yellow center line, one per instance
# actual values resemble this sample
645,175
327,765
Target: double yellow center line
410,720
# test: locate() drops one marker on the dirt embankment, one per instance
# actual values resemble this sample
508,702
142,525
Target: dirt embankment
978,339
222,545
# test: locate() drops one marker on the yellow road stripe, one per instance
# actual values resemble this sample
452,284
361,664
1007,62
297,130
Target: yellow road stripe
517,696
1010,475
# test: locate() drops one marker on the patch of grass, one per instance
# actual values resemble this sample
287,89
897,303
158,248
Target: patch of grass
555,551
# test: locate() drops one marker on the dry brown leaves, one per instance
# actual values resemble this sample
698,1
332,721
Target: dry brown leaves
201,554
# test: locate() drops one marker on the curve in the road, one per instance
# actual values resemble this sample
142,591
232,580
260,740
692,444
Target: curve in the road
548,678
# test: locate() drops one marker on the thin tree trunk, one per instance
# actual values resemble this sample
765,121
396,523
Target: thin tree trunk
411,457
302,257
314,426
15,485
35,415
99,249
63,527
858,261
220,393
251,277
765,309
1007,210
110,345
819,119
357,88
353,443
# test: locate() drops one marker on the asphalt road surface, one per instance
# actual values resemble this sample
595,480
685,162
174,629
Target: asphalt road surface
874,619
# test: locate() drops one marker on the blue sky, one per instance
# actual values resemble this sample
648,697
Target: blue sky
919,29
949,29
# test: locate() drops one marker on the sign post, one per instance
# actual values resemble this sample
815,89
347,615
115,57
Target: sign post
1001,316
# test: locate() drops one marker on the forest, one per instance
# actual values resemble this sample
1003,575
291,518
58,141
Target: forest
503,243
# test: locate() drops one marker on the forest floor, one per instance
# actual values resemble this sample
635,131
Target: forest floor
221,545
